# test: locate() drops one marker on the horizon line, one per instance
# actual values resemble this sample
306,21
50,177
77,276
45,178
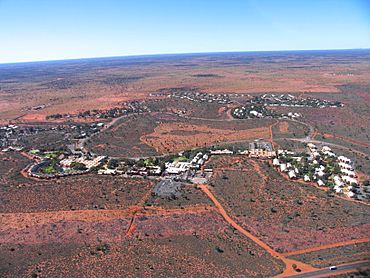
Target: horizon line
177,53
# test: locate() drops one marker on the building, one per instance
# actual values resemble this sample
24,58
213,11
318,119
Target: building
107,172
89,163
338,181
154,170
177,167
283,167
292,174
311,146
349,180
348,172
344,165
337,189
325,149
342,158
261,153
220,152
267,146
350,194
320,183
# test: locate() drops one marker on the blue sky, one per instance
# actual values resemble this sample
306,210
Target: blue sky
34,30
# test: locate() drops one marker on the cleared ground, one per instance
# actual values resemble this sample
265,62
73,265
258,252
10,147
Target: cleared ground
336,255
285,214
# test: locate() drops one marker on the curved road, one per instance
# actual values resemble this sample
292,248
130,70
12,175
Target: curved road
340,269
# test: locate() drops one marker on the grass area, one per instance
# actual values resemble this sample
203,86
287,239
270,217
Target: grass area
51,154
34,151
180,159
51,167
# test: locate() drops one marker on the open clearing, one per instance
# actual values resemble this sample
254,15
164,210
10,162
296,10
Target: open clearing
283,213
161,243
173,137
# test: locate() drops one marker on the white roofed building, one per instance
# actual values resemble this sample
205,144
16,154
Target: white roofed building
292,174
344,159
320,183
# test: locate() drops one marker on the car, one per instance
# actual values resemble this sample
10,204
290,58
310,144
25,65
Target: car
333,267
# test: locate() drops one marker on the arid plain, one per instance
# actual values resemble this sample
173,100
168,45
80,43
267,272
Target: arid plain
236,215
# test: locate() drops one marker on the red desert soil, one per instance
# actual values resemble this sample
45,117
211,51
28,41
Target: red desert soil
282,213
171,137
350,140
283,127
326,246
60,226
288,262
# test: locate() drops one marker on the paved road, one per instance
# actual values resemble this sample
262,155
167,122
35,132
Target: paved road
328,144
326,271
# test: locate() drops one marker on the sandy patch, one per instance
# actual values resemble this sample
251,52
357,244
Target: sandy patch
171,137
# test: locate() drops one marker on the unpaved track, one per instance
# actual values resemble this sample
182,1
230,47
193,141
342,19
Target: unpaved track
327,246
288,262
22,219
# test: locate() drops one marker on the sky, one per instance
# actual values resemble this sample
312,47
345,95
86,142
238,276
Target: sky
39,30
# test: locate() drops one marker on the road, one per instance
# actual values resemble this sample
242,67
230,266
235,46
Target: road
288,262
340,269
327,246
304,140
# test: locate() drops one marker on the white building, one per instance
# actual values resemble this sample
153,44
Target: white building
177,167
225,151
349,180
344,165
311,146
337,189
292,174
338,181
348,172
283,167
342,158
320,183
325,149
350,194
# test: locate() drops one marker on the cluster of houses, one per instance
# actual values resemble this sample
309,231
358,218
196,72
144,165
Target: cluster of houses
15,138
50,165
202,97
126,108
85,130
182,168
12,137
292,101
152,170
257,106
130,171
178,167
251,111
88,162
9,137
260,111
321,166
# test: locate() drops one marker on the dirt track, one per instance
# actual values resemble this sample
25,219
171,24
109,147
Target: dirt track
288,262
327,246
